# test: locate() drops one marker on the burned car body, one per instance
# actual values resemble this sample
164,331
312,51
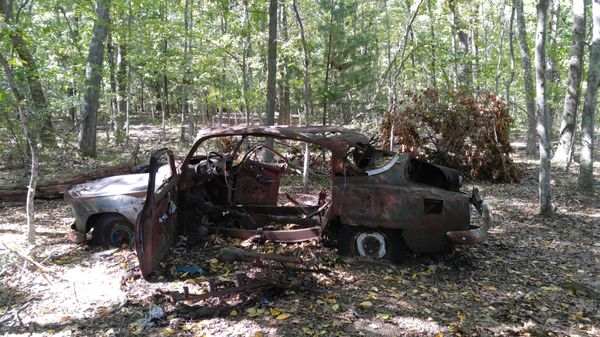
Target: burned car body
378,203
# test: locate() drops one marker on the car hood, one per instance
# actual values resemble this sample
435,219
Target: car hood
128,184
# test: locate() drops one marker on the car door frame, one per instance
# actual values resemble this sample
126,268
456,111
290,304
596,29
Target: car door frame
156,225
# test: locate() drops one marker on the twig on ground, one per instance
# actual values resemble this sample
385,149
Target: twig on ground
28,259
79,245
39,266
14,314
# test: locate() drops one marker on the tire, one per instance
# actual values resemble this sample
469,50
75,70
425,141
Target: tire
112,230
376,243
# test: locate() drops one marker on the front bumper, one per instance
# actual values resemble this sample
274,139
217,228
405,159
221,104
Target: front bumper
475,235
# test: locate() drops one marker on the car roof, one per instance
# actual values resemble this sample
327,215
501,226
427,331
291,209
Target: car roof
337,139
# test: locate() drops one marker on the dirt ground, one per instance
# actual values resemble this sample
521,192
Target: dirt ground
533,277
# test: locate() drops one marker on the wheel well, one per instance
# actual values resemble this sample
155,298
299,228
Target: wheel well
91,221
331,229
346,244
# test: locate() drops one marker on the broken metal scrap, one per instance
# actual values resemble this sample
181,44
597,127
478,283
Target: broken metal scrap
242,283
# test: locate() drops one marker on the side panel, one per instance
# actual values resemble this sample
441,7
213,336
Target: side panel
423,213
155,227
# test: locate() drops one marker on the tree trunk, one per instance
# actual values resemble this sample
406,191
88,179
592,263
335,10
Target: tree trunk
571,105
552,73
272,63
586,167
511,48
388,52
284,113
163,102
121,91
543,118
164,81
271,74
245,56
474,25
32,75
328,64
465,71
129,95
93,78
110,53
499,72
306,91
185,112
527,77
432,32
31,138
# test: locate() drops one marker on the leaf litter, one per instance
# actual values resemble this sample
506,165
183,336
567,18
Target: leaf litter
533,277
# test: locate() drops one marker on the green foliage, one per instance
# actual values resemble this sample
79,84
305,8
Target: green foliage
362,47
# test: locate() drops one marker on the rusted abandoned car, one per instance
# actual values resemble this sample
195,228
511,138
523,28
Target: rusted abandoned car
377,203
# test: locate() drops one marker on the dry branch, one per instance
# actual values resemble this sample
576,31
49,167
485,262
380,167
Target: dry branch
465,131
232,254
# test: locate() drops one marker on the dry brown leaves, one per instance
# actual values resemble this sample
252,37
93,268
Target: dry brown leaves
458,130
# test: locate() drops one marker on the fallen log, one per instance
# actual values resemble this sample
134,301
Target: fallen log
55,189
232,254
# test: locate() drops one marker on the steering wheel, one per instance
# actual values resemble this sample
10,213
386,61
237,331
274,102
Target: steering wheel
207,166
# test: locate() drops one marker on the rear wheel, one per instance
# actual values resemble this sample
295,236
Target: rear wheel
376,243
112,230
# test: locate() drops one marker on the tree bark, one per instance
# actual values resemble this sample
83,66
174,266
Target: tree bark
31,138
432,32
186,115
552,73
465,71
271,74
121,91
306,91
328,65
499,72
245,57
93,78
272,63
586,165
511,49
164,81
543,118
527,78
112,77
573,94
285,108
129,95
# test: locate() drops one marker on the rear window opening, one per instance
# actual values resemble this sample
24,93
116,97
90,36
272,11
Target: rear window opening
434,175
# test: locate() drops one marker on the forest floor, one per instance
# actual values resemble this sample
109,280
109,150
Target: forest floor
534,276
